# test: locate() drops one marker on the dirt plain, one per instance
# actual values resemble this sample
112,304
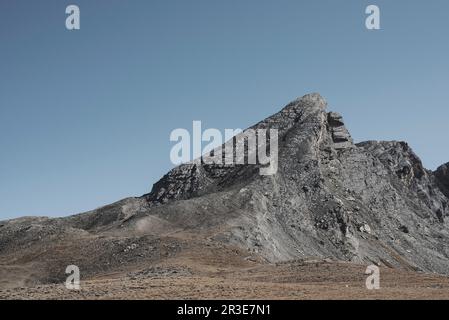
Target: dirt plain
228,274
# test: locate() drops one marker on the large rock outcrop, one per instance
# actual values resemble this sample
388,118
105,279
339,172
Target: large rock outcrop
372,201
442,176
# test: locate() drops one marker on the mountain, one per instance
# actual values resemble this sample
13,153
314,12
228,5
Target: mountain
330,198
372,201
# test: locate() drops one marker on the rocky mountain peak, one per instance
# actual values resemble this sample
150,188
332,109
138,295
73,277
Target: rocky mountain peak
370,202
306,115
308,101
329,196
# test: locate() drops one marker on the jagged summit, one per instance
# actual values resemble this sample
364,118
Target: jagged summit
371,202
307,113
329,197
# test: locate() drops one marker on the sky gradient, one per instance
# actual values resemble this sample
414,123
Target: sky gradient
85,116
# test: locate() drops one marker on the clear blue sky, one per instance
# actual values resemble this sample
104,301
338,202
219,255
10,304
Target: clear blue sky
85,116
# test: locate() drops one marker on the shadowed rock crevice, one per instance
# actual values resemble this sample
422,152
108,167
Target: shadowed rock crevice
442,177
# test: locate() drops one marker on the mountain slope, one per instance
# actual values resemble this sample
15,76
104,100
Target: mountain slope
371,202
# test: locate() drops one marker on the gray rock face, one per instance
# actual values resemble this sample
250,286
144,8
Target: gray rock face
371,202
442,176
182,181
340,135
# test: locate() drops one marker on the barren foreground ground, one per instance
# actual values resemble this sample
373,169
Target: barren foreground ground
192,277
